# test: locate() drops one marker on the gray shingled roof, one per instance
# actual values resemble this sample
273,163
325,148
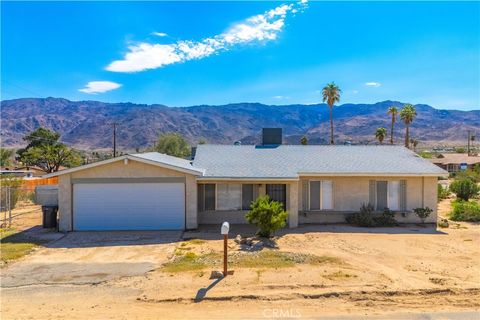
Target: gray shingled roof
168,160
290,161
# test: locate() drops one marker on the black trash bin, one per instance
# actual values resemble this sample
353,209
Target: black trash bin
49,216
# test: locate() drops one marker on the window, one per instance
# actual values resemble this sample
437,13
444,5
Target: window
229,196
277,192
388,195
321,195
247,196
209,196
226,196
394,195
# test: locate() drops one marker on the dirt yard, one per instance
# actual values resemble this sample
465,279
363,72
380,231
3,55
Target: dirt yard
331,271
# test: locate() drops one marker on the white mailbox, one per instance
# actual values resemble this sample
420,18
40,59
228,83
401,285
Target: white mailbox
225,228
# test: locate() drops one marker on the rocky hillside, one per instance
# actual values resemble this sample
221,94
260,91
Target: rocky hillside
87,124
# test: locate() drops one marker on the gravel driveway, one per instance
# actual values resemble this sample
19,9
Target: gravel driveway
92,257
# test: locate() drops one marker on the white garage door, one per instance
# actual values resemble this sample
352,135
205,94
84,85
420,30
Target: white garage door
128,206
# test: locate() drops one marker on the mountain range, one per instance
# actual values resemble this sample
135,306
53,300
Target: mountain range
88,124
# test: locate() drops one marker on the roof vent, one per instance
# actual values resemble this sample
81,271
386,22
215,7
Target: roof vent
271,136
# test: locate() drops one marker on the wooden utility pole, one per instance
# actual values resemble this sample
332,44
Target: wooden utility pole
114,139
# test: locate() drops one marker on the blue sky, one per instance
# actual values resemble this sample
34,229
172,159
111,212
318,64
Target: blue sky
190,53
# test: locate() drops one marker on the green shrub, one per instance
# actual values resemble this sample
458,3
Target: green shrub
464,188
387,219
442,193
366,218
423,213
472,174
363,218
465,211
267,215
12,183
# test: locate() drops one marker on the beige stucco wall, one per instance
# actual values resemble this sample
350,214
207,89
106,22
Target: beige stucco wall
350,192
134,169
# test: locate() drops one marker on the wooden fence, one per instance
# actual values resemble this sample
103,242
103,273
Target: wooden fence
32,183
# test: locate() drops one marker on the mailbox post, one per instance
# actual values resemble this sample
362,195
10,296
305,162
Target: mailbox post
224,230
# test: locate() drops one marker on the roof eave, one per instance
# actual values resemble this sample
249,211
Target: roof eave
247,178
192,171
374,174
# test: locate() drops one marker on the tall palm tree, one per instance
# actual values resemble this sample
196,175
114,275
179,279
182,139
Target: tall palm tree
331,94
393,111
407,114
380,134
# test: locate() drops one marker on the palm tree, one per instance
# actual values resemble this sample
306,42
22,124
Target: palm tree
407,114
380,134
331,94
393,111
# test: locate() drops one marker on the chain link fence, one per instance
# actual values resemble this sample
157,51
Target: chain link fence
10,198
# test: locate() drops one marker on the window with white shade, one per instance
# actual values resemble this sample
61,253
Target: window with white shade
229,196
321,195
394,195
388,195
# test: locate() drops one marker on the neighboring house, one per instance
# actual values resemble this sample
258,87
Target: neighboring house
24,172
316,184
453,162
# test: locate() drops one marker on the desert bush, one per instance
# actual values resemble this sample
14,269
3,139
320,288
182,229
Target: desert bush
464,188
423,213
267,215
366,217
386,219
442,193
14,184
465,211
363,218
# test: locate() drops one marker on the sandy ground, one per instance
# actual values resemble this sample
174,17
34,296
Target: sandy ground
393,273
25,216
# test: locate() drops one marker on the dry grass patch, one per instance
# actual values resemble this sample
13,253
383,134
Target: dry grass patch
267,259
191,262
15,245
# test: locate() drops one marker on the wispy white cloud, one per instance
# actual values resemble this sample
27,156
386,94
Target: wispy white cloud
280,97
373,84
94,87
259,28
159,34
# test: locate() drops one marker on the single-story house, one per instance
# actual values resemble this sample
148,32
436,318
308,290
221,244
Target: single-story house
453,162
316,184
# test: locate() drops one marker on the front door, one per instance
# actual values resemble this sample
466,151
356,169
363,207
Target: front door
277,192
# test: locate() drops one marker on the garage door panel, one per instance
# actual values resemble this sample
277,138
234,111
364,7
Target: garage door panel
129,206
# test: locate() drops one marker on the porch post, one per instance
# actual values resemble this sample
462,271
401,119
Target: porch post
292,197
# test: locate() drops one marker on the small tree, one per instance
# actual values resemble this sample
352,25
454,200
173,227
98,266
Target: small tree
6,157
45,151
173,144
464,188
380,134
304,141
423,213
267,215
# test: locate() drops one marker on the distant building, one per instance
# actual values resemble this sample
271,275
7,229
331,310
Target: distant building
22,171
455,162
